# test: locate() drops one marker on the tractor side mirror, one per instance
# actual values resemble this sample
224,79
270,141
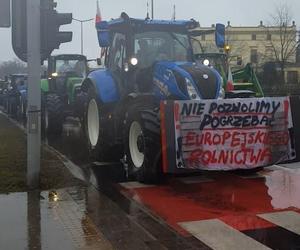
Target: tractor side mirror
99,63
220,35
103,34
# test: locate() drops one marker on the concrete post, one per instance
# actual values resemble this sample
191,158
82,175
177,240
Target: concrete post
34,94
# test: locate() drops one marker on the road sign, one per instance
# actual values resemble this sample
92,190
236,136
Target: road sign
5,13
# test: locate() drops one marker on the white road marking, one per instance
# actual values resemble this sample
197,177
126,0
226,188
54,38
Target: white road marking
219,236
289,220
289,166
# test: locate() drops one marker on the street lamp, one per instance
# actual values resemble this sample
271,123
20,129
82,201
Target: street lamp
81,29
152,10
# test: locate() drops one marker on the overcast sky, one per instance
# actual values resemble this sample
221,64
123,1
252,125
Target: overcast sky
239,12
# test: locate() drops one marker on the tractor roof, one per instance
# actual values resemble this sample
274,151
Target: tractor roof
69,57
18,75
148,24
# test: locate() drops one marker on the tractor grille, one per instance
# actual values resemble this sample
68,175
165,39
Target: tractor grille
206,87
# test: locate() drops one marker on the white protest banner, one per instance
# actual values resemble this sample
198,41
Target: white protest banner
232,133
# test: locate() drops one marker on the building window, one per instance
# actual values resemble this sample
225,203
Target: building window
253,36
253,56
269,53
292,77
239,60
203,37
269,37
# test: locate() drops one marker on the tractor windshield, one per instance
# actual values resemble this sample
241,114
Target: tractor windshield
76,68
215,60
19,81
158,45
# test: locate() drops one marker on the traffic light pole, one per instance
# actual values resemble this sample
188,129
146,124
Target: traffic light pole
34,94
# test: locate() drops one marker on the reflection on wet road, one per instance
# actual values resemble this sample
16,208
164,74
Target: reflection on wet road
37,221
247,209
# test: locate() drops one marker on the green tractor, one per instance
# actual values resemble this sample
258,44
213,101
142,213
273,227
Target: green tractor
60,90
243,80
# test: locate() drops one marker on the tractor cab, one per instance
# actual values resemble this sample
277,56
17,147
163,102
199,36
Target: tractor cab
140,52
18,82
16,85
65,72
68,65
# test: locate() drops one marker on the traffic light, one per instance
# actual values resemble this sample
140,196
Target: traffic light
19,28
51,21
5,13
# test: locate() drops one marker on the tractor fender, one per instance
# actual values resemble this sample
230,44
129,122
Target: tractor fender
104,85
148,98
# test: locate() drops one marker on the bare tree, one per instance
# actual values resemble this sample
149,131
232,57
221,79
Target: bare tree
12,67
284,44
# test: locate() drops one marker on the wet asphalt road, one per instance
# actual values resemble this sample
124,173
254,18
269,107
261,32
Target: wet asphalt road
211,210
214,210
124,222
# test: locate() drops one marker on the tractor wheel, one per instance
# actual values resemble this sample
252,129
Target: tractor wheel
21,110
53,116
24,110
93,128
142,143
12,106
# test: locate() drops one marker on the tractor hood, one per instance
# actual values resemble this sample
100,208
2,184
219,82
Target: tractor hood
187,80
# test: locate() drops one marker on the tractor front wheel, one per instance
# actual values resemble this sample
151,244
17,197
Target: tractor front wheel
53,116
142,143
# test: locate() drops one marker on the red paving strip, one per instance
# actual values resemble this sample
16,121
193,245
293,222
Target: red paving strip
234,200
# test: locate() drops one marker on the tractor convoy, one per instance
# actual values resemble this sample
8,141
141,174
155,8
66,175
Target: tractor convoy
60,90
146,62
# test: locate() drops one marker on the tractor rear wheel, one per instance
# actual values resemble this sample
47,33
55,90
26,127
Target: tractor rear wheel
142,142
53,116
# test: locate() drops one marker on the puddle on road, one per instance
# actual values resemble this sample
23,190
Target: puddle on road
72,143
284,188
48,220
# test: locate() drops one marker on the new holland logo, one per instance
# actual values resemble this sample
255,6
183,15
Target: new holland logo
205,76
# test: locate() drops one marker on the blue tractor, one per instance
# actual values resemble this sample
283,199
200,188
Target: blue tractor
146,62
15,96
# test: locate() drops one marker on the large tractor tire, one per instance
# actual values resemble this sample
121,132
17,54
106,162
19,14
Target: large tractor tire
142,143
93,128
24,110
21,109
12,106
53,114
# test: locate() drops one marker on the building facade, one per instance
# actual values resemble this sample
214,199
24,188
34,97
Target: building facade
258,45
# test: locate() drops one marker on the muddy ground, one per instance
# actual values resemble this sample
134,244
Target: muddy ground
13,162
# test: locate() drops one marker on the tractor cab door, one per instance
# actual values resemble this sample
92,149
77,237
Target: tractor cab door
116,61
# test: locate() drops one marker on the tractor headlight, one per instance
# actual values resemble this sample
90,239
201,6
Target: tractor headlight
134,61
191,90
55,74
206,62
